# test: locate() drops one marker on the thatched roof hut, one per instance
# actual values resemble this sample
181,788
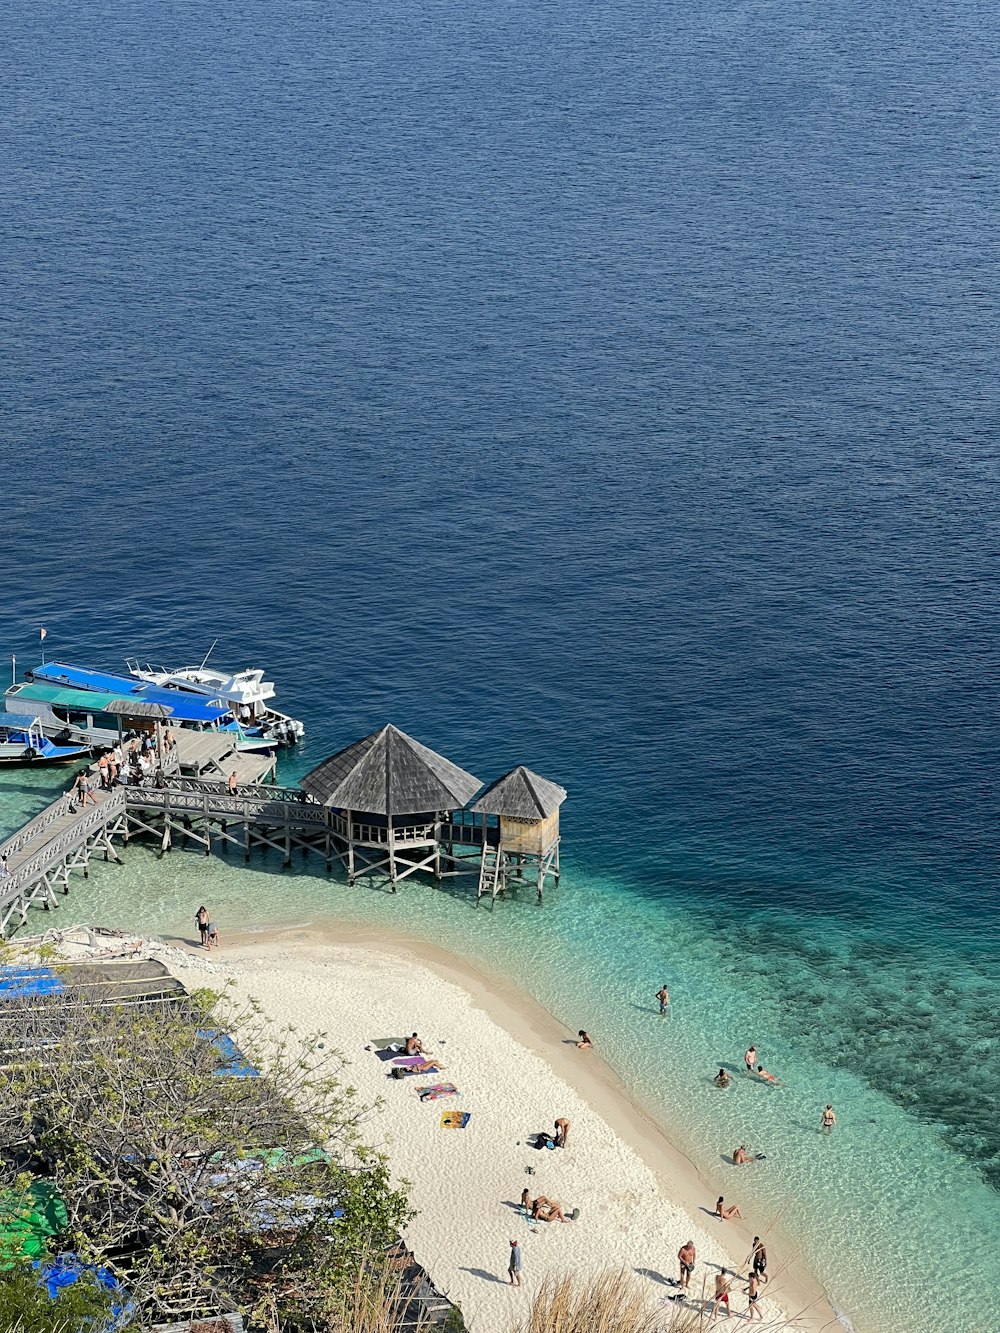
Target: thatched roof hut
520,794
389,773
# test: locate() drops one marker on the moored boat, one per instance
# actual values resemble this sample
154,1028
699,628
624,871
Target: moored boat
247,693
22,741
81,714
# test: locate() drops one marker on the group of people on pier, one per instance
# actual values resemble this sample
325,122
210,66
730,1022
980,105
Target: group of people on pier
130,762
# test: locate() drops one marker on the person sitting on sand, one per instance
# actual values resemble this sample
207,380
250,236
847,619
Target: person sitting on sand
527,1202
722,1079
584,1044
762,1073
726,1214
562,1132
414,1046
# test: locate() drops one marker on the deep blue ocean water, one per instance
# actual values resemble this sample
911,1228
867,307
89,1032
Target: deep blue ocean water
610,389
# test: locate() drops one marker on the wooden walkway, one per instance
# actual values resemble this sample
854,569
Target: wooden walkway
43,855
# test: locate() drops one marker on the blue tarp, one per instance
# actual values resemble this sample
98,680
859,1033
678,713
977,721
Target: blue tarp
18,981
66,1270
236,1064
186,707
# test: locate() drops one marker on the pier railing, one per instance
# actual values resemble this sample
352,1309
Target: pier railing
197,796
52,851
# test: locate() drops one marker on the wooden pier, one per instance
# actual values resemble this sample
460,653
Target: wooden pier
385,806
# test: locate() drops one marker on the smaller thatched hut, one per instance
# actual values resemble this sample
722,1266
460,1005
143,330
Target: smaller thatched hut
527,809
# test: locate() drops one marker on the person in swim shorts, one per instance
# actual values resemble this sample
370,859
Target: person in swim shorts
686,1257
721,1298
753,1295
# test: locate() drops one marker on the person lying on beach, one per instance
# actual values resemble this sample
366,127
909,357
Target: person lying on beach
414,1046
562,1132
722,1079
425,1067
726,1214
584,1044
548,1210
763,1074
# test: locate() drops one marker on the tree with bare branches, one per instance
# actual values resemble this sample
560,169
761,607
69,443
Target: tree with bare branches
205,1183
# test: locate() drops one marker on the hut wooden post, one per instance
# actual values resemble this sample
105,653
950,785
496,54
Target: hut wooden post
349,822
392,855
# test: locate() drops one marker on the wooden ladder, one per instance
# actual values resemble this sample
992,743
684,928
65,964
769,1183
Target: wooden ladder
490,873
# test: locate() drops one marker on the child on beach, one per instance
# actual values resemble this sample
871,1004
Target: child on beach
584,1044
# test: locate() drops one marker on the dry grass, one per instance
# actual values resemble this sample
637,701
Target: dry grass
611,1302
374,1303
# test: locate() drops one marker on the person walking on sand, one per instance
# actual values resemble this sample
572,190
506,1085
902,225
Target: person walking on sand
202,922
750,1058
663,995
759,1259
562,1132
727,1214
584,1044
753,1295
686,1257
723,1286
515,1264
829,1118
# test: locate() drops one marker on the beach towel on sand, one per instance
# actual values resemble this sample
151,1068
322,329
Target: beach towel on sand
436,1090
384,1043
409,1073
408,1060
455,1119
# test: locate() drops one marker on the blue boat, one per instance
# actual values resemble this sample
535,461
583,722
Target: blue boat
71,715
195,710
22,741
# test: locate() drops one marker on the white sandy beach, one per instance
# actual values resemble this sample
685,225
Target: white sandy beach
639,1199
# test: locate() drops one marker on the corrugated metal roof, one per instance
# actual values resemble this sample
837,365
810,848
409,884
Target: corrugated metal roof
389,773
520,794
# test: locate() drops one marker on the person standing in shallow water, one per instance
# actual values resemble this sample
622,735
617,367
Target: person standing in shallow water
829,1118
663,995
750,1058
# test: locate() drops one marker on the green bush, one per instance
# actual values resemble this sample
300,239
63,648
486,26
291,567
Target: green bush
26,1307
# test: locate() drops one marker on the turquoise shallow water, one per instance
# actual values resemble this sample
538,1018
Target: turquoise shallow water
868,1205
611,389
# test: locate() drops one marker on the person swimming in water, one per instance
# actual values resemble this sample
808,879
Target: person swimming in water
722,1079
763,1074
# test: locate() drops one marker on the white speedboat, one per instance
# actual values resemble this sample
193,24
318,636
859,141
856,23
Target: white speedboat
246,693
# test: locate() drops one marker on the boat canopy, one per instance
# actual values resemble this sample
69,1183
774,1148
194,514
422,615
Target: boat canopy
80,678
184,708
18,721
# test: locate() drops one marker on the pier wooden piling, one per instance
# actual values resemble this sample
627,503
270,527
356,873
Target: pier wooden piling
386,807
